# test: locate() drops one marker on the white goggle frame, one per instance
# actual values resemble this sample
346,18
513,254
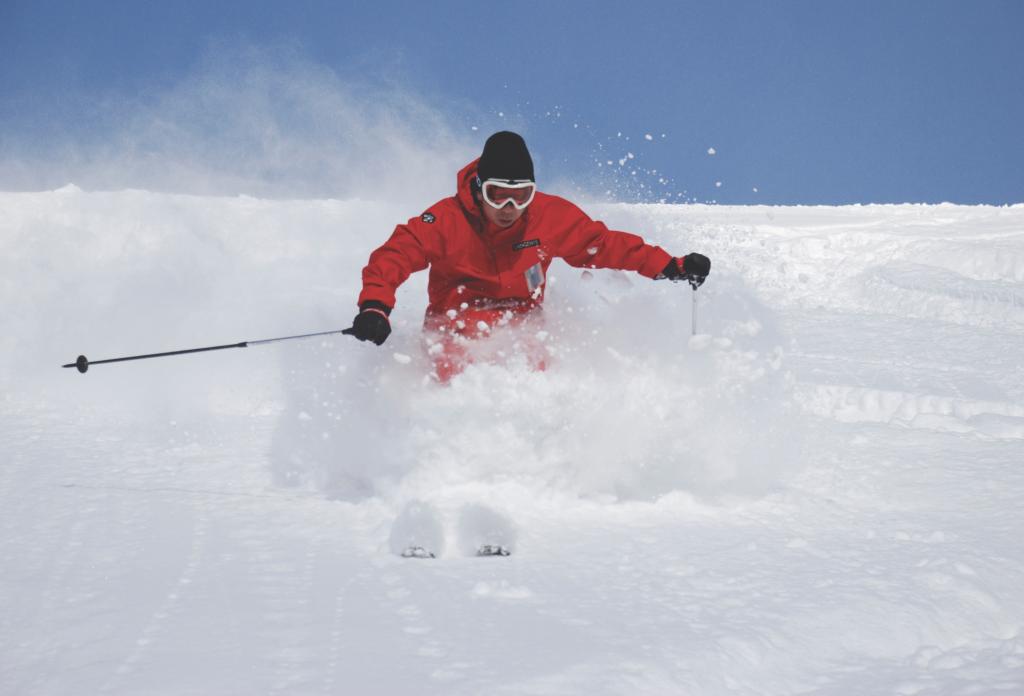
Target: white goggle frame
505,183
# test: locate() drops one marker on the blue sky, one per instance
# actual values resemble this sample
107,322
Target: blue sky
807,102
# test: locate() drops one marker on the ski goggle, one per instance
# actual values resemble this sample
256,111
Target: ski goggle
498,193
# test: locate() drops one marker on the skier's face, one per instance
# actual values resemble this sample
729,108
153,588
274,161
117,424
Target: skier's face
503,217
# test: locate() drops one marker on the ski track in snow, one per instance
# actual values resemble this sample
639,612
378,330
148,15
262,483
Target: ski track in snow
820,495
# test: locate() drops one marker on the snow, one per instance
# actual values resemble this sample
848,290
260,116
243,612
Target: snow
820,493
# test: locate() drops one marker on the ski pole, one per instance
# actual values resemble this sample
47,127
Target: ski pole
83,363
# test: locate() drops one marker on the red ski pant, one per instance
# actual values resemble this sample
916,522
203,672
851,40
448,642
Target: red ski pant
483,334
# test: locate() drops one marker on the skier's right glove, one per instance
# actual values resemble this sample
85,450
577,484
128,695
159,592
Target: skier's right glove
693,267
371,324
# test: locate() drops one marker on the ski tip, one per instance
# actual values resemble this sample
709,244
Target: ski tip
417,552
493,550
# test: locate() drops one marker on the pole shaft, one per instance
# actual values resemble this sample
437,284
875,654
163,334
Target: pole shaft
242,344
693,314
292,338
161,355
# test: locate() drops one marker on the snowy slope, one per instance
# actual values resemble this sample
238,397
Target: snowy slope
822,493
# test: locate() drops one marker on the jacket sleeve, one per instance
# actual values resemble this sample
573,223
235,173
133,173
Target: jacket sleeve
590,244
410,248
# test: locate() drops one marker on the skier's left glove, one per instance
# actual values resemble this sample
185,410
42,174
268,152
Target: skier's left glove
693,267
371,324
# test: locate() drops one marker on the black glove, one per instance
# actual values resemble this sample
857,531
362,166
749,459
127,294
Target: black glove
693,267
371,324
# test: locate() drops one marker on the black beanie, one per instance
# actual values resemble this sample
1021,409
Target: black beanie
505,157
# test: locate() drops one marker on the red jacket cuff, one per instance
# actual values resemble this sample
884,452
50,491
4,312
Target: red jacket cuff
655,263
376,295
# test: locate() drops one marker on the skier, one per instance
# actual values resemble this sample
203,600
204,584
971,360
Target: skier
488,248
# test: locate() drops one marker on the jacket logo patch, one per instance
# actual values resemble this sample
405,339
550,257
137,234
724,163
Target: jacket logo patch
427,217
526,245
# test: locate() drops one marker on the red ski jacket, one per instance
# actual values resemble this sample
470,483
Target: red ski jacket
476,263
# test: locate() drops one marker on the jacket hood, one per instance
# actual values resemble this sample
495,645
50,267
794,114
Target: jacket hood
464,189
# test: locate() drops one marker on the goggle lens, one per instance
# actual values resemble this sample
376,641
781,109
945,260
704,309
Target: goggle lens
498,194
